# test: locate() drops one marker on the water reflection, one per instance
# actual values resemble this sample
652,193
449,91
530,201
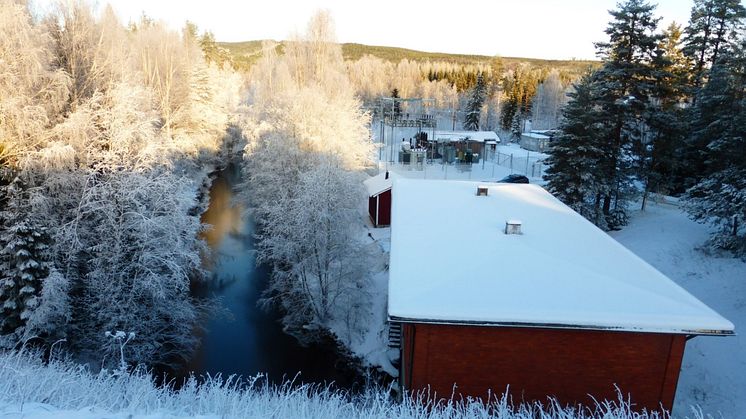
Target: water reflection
223,215
249,340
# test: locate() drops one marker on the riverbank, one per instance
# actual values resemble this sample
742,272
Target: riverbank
240,338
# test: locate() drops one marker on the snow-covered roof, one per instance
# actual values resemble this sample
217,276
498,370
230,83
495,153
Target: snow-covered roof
536,135
378,183
476,136
451,262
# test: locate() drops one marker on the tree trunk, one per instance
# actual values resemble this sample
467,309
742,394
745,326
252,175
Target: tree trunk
735,225
607,204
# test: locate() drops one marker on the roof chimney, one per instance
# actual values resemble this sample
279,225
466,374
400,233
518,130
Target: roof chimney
387,175
482,190
513,227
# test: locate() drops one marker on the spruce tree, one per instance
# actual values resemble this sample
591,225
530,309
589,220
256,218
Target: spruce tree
397,105
520,87
575,154
713,26
624,88
508,113
23,262
720,121
664,116
474,105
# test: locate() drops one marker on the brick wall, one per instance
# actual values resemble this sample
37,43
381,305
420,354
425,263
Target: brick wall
537,363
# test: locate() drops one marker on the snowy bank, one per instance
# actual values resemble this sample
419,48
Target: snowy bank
31,390
713,370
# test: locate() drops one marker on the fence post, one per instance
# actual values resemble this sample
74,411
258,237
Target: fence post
527,154
511,163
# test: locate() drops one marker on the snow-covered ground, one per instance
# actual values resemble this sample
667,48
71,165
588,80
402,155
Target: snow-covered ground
373,347
493,169
30,389
713,374
508,158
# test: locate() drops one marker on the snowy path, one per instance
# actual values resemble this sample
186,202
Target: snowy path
714,369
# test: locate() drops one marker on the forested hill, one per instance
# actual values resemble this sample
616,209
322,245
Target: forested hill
246,53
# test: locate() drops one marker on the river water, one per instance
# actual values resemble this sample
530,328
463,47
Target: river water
247,340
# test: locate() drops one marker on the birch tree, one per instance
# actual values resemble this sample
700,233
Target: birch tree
304,184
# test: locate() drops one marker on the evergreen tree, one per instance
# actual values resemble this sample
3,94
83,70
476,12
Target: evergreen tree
23,263
664,117
497,67
508,114
516,126
397,104
474,105
213,52
720,120
625,83
713,26
576,153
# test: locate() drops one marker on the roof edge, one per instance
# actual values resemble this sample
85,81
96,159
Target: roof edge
562,326
380,192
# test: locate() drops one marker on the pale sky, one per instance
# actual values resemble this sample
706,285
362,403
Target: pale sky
554,29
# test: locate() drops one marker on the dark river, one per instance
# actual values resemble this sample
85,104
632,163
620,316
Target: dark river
248,340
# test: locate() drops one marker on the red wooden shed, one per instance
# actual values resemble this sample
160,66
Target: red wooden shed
379,198
518,291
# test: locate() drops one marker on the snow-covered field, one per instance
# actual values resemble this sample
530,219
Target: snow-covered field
713,374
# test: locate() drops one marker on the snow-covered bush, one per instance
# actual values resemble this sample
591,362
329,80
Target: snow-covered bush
136,275
30,387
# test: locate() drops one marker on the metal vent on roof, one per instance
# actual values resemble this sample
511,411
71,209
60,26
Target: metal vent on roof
513,227
482,190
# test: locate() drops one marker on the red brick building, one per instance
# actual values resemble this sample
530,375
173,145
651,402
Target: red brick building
557,308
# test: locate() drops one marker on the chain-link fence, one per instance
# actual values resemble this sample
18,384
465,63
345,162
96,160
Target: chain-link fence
495,165
531,166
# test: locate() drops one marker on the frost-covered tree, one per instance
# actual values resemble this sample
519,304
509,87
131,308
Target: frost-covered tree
473,111
303,162
109,126
32,92
23,263
719,197
548,102
136,276
313,239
